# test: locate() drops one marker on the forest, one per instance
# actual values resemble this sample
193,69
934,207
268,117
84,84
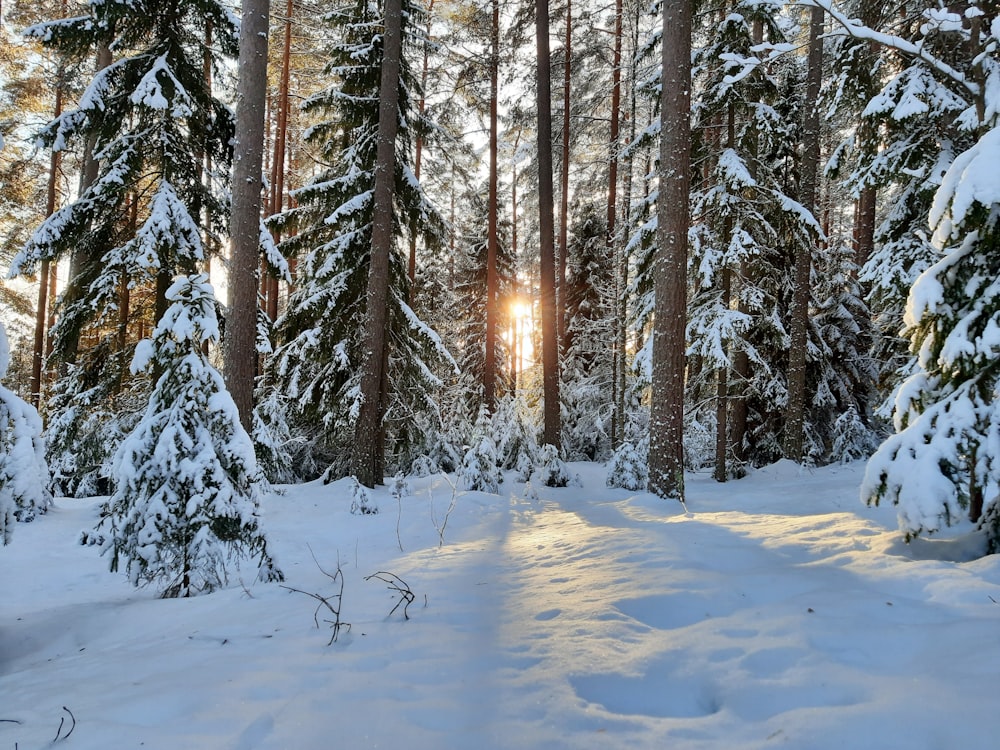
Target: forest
376,238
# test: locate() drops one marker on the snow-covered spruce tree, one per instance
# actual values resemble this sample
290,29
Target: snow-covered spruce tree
23,474
839,415
745,223
945,456
145,122
587,390
187,485
471,295
904,117
318,360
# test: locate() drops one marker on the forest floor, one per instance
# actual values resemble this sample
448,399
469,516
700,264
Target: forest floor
774,611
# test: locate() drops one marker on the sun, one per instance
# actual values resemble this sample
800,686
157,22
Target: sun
520,333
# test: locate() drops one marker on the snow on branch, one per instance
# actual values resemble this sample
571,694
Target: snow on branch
858,30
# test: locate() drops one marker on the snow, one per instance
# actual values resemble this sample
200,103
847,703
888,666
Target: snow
972,178
777,611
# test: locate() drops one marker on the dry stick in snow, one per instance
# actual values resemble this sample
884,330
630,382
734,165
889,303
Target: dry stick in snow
325,601
401,587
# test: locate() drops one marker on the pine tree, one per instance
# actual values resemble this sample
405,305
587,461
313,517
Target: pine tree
187,485
318,360
23,473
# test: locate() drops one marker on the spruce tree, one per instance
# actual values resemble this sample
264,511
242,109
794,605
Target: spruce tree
146,121
187,485
318,360
945,458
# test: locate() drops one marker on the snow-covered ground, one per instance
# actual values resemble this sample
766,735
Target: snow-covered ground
776,612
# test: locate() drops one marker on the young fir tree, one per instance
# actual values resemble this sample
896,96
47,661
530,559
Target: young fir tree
146,122
23,474
188,487
319,358
586,369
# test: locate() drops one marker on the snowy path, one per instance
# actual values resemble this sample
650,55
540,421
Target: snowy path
777,613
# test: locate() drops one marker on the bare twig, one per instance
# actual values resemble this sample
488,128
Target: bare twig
398,585
62,721
327,601
447,513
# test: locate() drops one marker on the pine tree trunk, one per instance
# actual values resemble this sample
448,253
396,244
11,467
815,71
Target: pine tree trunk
41,312
492,282
666,446
240,349
419,151
369,436
795,414
564,179
550,343
81,262
618,353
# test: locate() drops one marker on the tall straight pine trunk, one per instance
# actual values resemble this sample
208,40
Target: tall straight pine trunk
618,354
493,208
369,435
546,224
240,350
666,430
795,414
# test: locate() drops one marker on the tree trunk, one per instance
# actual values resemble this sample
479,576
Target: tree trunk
550,342
240,348
81,260
41,312
617,351
369,435
795,414
564,186
419,151
722,378
666,447
492,283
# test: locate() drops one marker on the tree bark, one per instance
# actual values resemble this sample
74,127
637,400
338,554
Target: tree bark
666,447
240,350
41,312
550,343
492,283
795,414
369,435
564,181
418,151
617,351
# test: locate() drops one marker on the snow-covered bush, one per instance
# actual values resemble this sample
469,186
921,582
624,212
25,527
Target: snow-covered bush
699,439
362,503
852,438
23,474
551,470
628,467
515,435
272,438
187,484
480,470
